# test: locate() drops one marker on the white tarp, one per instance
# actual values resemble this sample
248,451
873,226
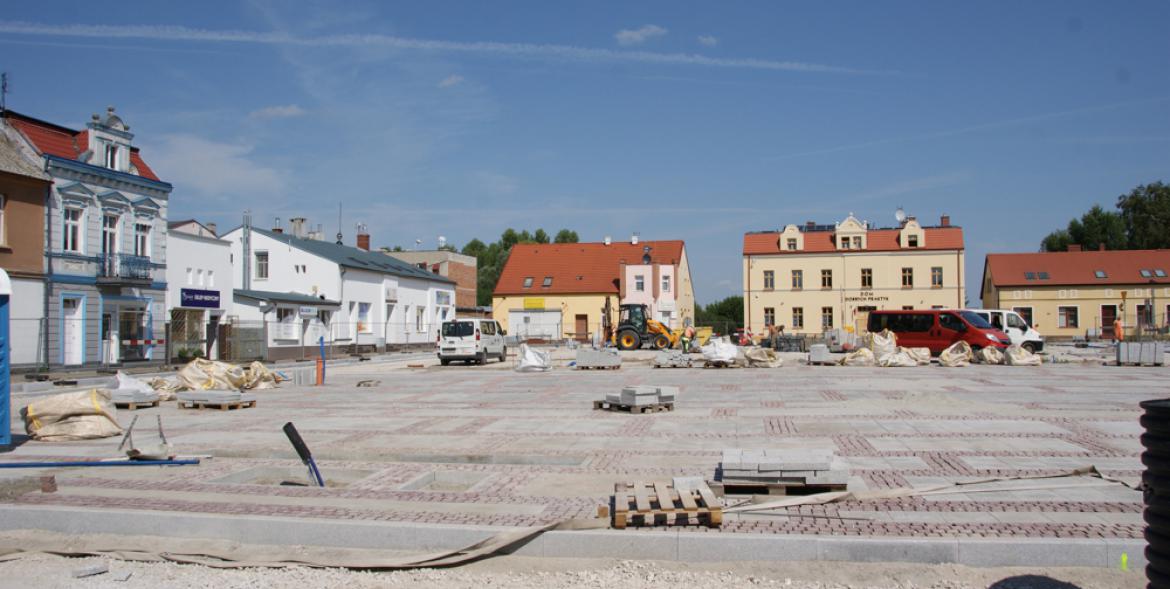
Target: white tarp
883,343
82,415
862,357
919,355
958,354
762,358
1017,356
533,360
719,350
129,383
989,356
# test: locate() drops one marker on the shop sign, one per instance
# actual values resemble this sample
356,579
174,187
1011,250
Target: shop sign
307,312
534,303
206,299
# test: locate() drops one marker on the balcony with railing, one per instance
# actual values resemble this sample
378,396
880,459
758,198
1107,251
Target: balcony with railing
124,269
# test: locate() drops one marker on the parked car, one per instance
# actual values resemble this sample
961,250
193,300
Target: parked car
1015,327
471,340
937,329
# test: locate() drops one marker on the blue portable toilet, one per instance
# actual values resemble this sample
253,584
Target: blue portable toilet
5,353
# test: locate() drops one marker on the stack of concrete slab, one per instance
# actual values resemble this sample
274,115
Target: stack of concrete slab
133,398
599,359
672,359
783,467
819,354
642,395
216,399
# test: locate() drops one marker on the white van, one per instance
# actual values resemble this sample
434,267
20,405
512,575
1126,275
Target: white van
1014,326
471,340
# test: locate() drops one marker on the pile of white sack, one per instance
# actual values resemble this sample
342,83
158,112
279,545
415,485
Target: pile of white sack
958,354
757,357
882,350
720,350
84,415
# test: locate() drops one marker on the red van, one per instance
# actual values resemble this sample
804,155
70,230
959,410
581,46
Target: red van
937,329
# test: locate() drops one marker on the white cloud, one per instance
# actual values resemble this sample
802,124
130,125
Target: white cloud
212,169
278,112
638,36
524,50
451,80
708,40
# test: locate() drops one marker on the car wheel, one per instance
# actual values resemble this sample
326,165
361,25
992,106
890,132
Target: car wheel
1031,347
444,361
504,354
482,359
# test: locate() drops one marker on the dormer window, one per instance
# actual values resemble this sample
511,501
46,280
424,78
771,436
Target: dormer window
112,157
528,282
912,241
791,245
547,281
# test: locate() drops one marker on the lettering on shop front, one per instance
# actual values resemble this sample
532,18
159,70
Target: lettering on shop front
866,296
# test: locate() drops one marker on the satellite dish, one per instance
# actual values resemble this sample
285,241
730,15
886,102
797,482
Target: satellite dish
900,215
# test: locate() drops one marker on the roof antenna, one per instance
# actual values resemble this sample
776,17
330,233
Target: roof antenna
339,242
3,91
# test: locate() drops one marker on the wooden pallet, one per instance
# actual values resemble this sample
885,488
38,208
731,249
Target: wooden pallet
222,406
137,405
721,488
659,504
651,408
579,367
718,364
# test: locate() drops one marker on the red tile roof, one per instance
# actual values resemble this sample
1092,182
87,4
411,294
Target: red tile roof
877,240
63,142
1078,268
578,268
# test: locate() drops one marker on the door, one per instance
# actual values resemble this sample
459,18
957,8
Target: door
72,332
1108,316
581,330
212,337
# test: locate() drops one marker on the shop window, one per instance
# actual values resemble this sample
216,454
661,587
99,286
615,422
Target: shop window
797,279
261,265
866,278
73,235
798,317
936,277
1066,317
769,280
769,316
826,279
826,317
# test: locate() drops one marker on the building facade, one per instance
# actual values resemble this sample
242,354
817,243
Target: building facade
200,282
106,243
305,289
449,264
562,291
1082,293
23,189
814,278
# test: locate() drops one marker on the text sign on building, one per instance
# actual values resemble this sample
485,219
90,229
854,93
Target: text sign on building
207,299
534,303
442,298
307,312
866,296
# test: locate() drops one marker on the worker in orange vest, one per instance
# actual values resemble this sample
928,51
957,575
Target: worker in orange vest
1118,330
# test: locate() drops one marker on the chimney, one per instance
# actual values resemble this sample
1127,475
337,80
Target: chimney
945,221
363,241
213,228
608,240
296,226
276,228
809,225
634,239
1074,247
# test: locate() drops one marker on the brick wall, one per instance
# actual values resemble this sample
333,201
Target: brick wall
465,281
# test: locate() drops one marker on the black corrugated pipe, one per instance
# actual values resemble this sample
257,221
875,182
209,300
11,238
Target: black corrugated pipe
1156,489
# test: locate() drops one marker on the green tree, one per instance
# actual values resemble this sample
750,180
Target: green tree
566,236
491,258
539,236
723,315
1095,228
1057,241
1145,211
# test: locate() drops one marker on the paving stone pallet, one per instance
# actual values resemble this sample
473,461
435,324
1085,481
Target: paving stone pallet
718,364
721,488
660,504
650,408
133,405
221,405
598,367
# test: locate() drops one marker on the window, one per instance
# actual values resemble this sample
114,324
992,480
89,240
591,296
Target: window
1016,322
1146,273
420,313
640,283
769,280
1100,274
1145,315
528,282
949,321
797,279
488,327
109,234
791,245
1160,273
798,318
211,278
1066,317
826,279
907,307
1029,276
1042,275
665,284
199,275
72,235
142,240
261,265
912,241
1025,313
843,243
857,242
826,317
547,282
3,201
190,277
907,277
866,278
112,157
769,316
936,279
363,318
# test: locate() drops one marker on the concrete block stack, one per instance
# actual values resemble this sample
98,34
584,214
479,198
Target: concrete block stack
672,359
782,467
819,354
640,395
592,358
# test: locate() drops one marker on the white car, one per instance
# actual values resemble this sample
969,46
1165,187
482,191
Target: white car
1014,326
471,340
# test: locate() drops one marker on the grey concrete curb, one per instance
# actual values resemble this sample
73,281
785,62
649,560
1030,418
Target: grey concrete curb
629,544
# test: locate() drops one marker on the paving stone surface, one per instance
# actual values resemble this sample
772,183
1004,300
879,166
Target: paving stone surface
486,446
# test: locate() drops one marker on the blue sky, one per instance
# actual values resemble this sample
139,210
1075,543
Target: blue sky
684,120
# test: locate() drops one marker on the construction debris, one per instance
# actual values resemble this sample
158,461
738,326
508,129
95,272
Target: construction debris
655,504
958,354
861,357
779,472
211,375
1017,356
533,360
672,359
762,358
66,417
598,359
369,383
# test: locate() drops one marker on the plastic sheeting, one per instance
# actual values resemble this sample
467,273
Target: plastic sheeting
719,350
533,360
83,415
762,358
1017,356
958,354
883,343
211,375
862,357
989,356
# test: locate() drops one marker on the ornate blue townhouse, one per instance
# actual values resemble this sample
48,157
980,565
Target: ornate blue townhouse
105,226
